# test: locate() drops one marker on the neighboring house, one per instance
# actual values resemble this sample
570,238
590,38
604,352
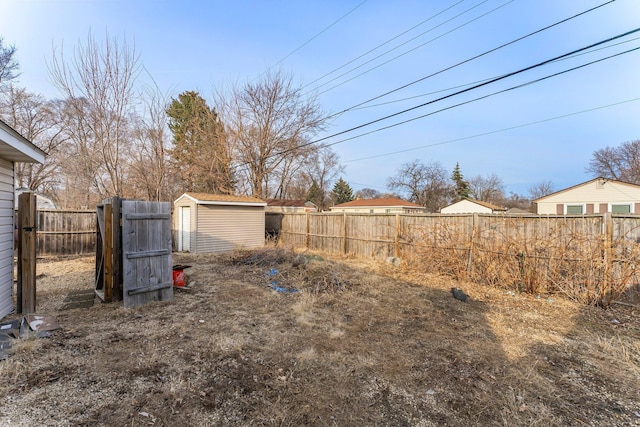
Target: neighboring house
472,206
599,195
13,148
381,205
208,223
42,201
290,206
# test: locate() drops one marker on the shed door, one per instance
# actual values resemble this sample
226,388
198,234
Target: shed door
184,229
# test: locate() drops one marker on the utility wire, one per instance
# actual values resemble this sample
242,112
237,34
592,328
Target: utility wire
472,100
383,44
314,37
483,80
470,59
513,73
493,131
405,53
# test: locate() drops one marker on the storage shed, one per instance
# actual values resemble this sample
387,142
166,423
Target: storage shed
13,148
209,223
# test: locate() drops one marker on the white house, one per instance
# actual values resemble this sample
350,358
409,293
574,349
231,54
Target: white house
471,206
13,148
599,195
380,205
208,223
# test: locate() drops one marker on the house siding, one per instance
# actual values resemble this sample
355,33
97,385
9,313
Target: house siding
224,228
611,193
6,237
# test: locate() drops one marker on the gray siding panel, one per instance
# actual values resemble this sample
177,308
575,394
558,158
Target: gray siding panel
6,239
225,228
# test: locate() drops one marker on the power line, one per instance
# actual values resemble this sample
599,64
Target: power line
511,74
405,53
493,132
471,59
479,98
384,44
483,80
314,37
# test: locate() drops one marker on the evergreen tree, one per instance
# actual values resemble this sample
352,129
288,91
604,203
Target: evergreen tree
200,153
462,189
316,195
342,192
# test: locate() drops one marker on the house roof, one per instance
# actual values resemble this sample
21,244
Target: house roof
16,148
600,178
223,199
298,203
380,202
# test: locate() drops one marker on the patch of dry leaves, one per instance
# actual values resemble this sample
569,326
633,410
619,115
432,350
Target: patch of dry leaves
362,343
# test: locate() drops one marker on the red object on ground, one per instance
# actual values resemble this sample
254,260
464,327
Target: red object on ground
178,278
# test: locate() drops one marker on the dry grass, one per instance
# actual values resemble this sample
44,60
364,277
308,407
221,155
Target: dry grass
363,343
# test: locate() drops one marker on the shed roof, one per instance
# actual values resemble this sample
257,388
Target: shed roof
379,202
222,199
16,148
298,203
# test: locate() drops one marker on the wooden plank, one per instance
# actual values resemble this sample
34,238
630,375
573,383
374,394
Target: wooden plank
157,287
141,216
148,254
116,247
108,253
26,285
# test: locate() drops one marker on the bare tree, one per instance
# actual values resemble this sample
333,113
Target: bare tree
148,159
40,122
488,188
8,64
621,163
268,123
541,189
102,76
424,184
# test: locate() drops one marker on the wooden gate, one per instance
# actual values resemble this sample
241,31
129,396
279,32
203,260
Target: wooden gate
133,251
146,252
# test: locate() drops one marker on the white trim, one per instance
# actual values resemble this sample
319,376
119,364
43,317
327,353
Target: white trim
19,143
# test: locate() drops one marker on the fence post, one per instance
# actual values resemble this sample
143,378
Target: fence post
397,242
344,233
474,230
26,283
607,229
307,233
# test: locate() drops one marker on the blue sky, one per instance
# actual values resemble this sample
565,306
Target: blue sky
203,45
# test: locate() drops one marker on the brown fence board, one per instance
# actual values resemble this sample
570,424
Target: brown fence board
66,232
593,256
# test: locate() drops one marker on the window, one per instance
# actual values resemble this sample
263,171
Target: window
621,209
574,210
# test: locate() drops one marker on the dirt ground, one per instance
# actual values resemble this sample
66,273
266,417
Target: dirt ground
361,344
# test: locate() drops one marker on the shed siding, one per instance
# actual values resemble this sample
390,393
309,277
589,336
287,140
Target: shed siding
225,228
592,192
6,237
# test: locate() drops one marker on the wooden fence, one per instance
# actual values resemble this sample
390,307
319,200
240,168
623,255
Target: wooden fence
592,258
66,232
